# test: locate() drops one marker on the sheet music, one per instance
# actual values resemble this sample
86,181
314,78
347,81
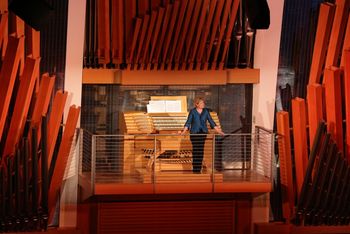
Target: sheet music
156,107
173,106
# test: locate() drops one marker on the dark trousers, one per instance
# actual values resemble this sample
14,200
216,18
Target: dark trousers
197,151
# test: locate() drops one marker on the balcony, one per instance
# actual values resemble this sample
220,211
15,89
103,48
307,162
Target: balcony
162,164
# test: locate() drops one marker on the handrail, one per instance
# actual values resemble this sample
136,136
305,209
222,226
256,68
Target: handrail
160,159
265,129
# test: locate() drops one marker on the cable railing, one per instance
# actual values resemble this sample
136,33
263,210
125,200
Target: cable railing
166,159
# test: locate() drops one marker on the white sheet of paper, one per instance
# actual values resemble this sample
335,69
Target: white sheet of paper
156,107
173,106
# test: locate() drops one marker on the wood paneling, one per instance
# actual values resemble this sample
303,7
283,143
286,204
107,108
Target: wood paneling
3,31
315,108
215,27
347,99
333,93
338,30
324,26
54,122
103,31
172,78
346,44
62,157
285,156
233,14
175,35
172,217
8,76
41,103
115,76
24,96
300,140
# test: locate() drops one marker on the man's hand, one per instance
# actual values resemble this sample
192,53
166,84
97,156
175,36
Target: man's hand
218,130
183,131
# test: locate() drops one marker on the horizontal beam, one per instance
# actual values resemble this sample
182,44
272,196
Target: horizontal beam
133,77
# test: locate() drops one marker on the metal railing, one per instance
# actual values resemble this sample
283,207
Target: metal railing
170,158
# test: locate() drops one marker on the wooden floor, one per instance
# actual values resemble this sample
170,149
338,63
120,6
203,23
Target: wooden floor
228,181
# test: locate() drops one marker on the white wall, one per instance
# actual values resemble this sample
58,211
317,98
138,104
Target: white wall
266,55
73,85
74,52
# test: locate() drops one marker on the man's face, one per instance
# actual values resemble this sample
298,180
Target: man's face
200,104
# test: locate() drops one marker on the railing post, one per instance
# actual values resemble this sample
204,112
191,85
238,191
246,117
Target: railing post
213,165
154,164
272,157
93,162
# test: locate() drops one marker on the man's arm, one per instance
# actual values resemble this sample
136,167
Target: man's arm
213,125
187,124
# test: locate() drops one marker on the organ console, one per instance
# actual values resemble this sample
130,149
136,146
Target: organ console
154,136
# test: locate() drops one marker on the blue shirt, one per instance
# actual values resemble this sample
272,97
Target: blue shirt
197,123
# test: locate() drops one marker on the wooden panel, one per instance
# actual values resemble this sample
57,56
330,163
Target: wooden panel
346,44
338,30
206,216
315,108
183,35
134,39
155,4
19,26
156,32
130,14
202,185
143,7
21,108
121,29
117,31
205,32
347,99
243,216
324,26
275,227
100,76
222,29
214,28
170,31
33,49
243,187
42,100
3,29
162,34
300,140
282,228
233,15
142,37
19,23
173,78
177,32
284,149
194,25
54,122
103,31
243,76
62,157
150,32
8,76
332,79
114,76
3,6
193,48
32,42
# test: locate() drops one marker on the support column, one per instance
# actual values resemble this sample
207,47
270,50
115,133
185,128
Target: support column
266,55
73,85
